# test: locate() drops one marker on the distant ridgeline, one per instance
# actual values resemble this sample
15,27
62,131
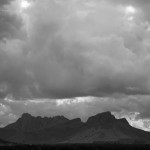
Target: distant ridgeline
101,128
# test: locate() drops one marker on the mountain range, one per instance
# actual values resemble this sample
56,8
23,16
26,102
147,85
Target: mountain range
101,128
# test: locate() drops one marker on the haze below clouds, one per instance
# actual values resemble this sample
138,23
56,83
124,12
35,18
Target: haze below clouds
55,50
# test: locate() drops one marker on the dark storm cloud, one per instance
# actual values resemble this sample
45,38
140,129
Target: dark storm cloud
69,49
4,2
131,2
144,5
10,24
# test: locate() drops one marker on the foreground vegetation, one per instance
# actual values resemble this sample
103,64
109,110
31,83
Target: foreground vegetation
77,147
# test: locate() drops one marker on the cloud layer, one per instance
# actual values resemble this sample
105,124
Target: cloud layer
72,48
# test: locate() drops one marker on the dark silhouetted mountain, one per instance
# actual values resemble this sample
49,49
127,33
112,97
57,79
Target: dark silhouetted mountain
102,127
29,123
5,143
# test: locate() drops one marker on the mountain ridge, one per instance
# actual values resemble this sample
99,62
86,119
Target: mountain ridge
101,127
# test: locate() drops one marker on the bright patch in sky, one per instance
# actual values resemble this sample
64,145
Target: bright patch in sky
25,4
74,101
130,10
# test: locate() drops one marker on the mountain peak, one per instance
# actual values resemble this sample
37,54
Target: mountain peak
102,118
123,121
106,114
26,115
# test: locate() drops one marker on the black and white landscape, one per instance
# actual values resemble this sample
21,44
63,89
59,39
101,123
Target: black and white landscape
99,129
74,71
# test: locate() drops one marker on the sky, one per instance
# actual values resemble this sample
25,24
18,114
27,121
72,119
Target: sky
75,58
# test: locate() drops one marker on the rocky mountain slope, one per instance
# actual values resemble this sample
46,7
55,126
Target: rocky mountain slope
102,127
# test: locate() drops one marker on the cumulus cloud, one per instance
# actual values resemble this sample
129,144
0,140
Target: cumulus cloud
72,48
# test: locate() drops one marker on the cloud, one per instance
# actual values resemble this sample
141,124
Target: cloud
72,49
4,2
10,24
